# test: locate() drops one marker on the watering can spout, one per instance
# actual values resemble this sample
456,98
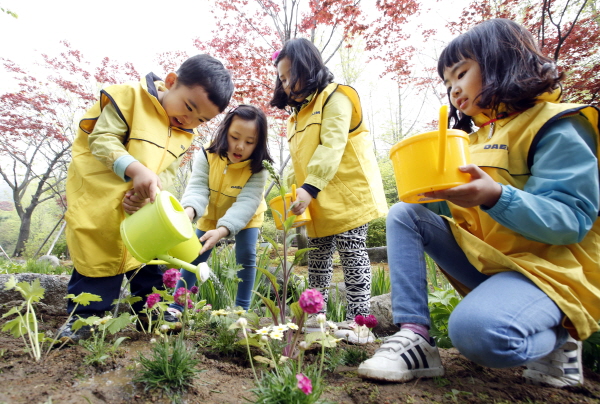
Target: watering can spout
202,271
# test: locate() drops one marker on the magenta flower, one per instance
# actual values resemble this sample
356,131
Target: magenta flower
304,383
359,320
194,289
180,296
311,301
170,277
371,321
152,299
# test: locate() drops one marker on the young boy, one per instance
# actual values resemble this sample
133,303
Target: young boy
131,143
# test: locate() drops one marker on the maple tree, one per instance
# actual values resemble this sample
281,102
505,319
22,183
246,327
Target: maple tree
38,122
566,30
249,32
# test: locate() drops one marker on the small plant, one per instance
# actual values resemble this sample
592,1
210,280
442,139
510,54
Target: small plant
25,325
441,304
171,366
223,339
381,282
591,352
336,305
354,356
289,386
99,349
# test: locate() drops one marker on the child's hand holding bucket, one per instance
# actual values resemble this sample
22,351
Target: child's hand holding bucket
481,190
301,202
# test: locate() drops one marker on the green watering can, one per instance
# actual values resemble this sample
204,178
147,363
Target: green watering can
161,233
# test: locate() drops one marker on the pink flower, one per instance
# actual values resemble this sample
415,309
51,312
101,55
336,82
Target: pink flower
194,289
152,299
311,301
371,321
274,56
181,296
304,383
360,320
170,277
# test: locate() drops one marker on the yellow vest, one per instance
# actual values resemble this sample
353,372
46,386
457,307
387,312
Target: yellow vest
568,274
355,195
95,193
225,182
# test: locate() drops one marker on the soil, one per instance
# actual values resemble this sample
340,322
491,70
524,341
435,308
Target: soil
62,377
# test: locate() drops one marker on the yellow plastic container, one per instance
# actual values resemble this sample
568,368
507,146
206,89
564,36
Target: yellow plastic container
277,209
157,228
429,161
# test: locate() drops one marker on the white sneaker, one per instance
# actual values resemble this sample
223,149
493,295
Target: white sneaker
402,357
353,333
561,368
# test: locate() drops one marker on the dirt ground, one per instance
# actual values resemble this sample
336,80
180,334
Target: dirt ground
63,378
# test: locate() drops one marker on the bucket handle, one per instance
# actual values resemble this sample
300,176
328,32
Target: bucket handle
293,192
442,138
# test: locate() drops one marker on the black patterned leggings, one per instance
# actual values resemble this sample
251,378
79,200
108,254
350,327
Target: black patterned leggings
352,248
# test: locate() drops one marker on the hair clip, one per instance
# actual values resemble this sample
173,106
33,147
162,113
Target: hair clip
274,55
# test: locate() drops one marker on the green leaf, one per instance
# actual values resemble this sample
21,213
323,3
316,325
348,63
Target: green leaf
297,311
118,342
270,305
253,319
11,283
115,325
270,276
12,311
32,291
16,326
127,300
85,298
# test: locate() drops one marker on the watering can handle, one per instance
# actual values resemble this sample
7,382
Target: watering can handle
293,192
442,138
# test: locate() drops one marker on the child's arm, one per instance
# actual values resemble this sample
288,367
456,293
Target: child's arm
560,201
197,192
106,143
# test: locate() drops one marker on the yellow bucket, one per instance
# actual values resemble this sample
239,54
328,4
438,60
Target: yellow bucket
429,161
157,228
279,212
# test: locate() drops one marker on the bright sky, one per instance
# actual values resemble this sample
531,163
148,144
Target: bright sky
124,30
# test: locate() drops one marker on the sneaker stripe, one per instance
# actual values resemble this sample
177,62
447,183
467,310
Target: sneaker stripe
572,360
411,352
423,356
408,363
571,371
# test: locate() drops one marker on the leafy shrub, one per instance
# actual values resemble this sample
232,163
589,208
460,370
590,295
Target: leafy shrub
376,233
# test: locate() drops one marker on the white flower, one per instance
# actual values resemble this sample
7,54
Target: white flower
264,339
164,328
292,326
321,319
332,325
264,331
239,312
280,328
276,335
242,322
153,340
302,345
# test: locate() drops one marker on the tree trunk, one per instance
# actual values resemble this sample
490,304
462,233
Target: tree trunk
24,231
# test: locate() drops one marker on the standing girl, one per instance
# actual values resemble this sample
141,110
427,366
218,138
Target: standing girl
524,235
225,194
333,159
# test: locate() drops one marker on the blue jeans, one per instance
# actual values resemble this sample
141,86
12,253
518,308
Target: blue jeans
245,255
505,321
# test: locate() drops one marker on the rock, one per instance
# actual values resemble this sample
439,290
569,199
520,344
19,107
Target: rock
377,254
51,259
55,287
381,307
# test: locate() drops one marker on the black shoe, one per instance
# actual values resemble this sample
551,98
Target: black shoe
66,333
169,319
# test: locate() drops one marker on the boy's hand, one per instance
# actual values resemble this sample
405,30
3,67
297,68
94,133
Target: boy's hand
302,201
145,182
132,203
211,238
481,190
190,212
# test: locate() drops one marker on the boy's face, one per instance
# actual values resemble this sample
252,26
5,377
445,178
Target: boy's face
241,139
463,81
186,107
